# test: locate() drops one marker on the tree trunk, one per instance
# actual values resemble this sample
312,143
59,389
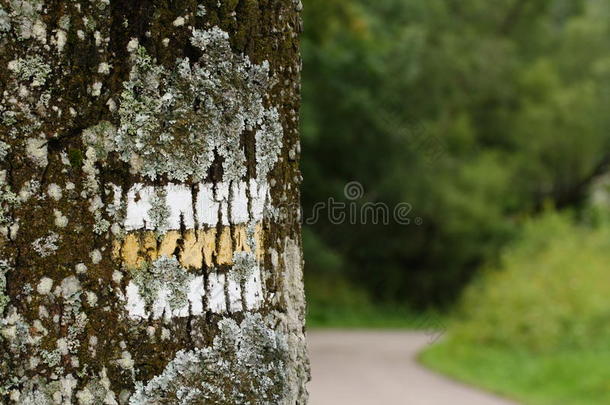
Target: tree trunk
149,208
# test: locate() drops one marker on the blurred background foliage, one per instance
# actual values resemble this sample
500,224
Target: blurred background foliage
536,326
483,116
549,293
492,120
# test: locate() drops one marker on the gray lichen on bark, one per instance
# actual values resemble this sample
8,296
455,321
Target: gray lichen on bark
195,110
246,363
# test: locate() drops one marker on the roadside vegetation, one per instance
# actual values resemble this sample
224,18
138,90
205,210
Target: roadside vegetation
537,327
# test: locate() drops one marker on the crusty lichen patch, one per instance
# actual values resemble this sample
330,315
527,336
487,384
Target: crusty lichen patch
30,69
4,299
8,201
244,365
174,121
163,276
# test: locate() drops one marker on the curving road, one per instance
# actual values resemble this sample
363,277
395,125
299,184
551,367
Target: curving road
379,367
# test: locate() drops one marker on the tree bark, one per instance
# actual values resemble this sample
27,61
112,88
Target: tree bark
150,245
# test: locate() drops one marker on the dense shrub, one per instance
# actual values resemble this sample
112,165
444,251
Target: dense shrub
551,291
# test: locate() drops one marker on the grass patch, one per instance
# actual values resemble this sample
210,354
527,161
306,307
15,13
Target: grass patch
370,317
334,302
574,377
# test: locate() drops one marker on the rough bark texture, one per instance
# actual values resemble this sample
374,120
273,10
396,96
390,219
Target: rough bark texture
149,241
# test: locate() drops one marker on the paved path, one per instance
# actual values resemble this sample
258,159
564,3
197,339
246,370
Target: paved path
379,368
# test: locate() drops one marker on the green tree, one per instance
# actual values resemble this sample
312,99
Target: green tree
473,112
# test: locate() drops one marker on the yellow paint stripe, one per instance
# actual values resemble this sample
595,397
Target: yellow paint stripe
194,248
